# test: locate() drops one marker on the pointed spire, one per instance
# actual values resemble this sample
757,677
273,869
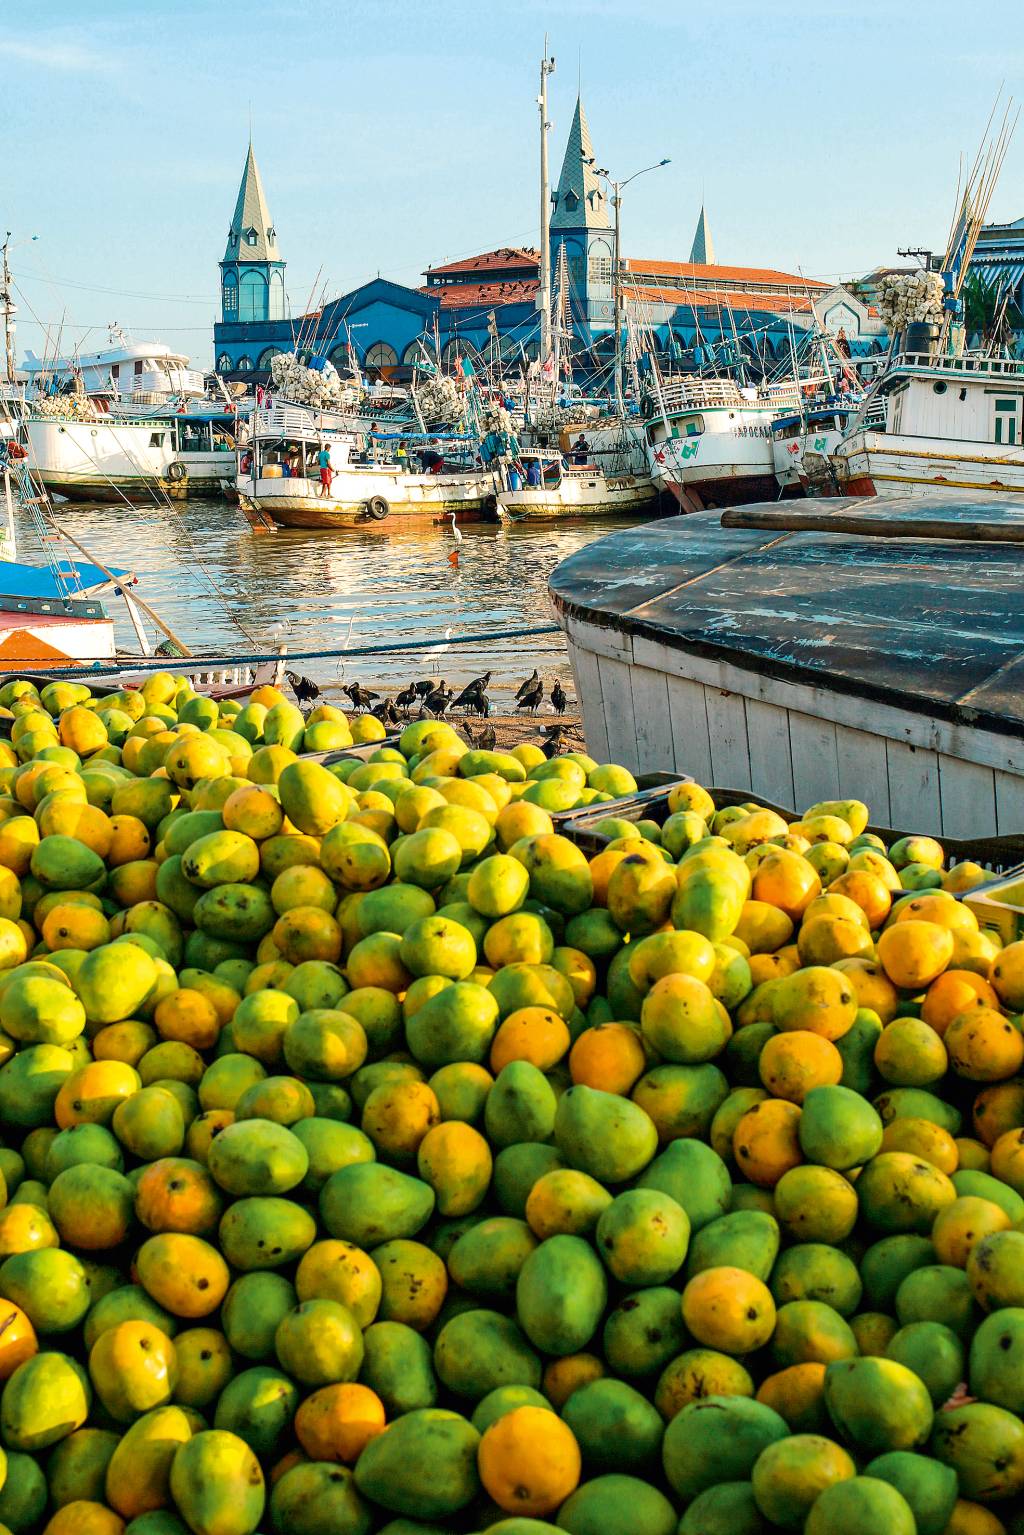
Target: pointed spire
252,236
702,251
579,201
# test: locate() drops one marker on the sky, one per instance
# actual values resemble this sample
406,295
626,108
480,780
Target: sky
392,134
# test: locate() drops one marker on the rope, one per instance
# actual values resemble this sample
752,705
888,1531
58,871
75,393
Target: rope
211,663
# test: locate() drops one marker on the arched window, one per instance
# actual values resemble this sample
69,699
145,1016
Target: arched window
252,296
600,264
380,358
243,365
267,357
224,363
339,356
230,296
574,262
417,351
276,296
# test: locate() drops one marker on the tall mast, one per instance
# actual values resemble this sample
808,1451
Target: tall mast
547,67
8,304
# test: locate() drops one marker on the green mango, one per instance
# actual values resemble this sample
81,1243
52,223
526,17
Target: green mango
423,1464
644,1332
316,1497
929,1487
561,1295
217,1484
486,1259
878,1405
252,1309
717,1439
602,1134
256,1156
517,1168
45,1399
368,1203
521,1106
615,1427
478,1351
397,1364
258,1405
742,1239
694,1176
264,1233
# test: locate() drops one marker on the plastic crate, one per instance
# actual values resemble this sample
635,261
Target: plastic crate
999,904
362,752
650,803
1003,854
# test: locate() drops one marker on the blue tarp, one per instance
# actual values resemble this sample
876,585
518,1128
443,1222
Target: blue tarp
38,581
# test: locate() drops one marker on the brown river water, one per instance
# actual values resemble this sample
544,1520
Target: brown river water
225,588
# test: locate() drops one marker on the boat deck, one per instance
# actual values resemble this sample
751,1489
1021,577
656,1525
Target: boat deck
925,623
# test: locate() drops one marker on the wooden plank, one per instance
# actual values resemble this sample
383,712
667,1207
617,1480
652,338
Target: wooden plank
591,701
872,525
998,751
771,761
864,771
914,803
617,692
1009,804
968,798
688,717
654,746
727,729
815,760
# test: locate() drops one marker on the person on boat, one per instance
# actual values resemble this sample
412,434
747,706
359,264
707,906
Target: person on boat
533,473
402,456
580,450
431,459
323,459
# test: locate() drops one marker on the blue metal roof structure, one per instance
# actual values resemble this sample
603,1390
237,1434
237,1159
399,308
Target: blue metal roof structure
40,582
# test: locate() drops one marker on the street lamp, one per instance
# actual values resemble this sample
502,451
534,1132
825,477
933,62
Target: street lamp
617,189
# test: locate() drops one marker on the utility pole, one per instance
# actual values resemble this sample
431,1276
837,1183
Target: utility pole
547,67
8,303
617,294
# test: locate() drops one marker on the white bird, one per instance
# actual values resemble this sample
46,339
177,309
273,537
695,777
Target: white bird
439,650
455,532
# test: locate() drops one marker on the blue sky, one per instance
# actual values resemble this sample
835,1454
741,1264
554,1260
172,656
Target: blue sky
397,133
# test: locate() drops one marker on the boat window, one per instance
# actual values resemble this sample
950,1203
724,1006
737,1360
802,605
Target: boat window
1007,426
156,439
689,426
939,388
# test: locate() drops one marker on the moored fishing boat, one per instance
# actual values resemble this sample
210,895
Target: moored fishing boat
86,454
551,487
802,442
280,477
710,440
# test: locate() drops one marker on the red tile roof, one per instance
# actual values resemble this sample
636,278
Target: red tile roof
721,273
491,261
730,298
484,294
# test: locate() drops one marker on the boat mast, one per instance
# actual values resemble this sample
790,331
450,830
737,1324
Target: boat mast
547,67
8,303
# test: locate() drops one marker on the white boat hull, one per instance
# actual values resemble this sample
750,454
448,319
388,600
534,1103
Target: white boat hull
725,466
582,496
104,460
881,464
297,503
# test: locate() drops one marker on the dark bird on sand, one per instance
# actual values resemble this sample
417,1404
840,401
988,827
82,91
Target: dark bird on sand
304,689
532,699
529,685
361,697
558,698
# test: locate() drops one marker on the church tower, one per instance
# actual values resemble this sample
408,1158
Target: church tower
579,225
702,251
252,272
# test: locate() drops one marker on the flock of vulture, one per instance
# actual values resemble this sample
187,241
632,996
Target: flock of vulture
433,697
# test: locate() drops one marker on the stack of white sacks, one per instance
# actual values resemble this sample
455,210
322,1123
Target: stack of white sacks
321,388
910,298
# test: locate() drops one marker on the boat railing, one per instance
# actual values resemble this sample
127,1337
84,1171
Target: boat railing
298,421
999,367
698,393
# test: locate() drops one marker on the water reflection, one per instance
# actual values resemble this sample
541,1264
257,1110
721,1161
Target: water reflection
223,587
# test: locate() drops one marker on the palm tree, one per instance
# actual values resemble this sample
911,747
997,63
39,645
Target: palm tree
990,313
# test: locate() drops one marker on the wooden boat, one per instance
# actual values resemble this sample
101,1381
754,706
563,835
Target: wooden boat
844,647
278,479
710,442
575,490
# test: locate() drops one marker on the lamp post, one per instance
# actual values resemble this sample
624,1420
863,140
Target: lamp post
617,189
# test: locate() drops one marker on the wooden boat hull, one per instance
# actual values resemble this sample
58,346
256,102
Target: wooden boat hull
731,487
411,498
810,666
140,491
880,464
580,498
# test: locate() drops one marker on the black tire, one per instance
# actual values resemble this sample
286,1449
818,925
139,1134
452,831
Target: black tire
177,471
378,508
647,407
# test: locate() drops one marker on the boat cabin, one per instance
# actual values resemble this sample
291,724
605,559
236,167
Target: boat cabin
973,399
818,421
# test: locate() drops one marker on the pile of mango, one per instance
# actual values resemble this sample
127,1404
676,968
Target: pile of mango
373,1161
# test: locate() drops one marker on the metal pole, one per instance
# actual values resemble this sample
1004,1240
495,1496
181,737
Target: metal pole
547,67
8,312
617,305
